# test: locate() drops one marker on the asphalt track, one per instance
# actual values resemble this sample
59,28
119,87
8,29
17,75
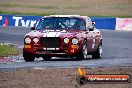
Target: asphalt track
117,51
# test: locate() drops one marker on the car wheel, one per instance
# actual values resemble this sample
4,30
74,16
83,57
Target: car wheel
84,52
47,58
98,53
28,57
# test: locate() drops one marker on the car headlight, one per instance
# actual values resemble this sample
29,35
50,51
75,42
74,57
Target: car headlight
27,40
35,40
75,41
66,40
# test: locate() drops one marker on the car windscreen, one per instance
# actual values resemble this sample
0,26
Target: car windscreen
61,23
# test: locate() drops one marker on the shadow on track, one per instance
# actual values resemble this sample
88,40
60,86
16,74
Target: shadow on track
66,59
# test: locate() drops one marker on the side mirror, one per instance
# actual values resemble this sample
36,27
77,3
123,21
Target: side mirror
93,23
91,28
32,28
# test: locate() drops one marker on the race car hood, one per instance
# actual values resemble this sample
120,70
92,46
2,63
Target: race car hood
53,33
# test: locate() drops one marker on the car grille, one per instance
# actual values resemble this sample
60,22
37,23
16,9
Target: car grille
51,42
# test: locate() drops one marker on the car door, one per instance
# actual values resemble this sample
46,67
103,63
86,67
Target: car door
97,38
91,41
90,35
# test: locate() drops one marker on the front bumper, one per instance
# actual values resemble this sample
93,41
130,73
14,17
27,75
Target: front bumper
54,52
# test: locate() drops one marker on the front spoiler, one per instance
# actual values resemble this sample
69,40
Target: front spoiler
49,53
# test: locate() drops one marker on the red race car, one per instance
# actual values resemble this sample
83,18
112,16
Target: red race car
63,36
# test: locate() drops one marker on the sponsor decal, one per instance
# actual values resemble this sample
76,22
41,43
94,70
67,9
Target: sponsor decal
51,49
3,21
124,24
25,21
52,34
6,59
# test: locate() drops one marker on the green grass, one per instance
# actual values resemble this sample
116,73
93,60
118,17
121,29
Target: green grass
27,6
46,14
22,13
6,50
103,8
11,5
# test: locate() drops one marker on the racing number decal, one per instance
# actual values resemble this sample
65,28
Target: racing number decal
92,35
93,43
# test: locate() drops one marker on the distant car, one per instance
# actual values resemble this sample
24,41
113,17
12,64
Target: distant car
63,36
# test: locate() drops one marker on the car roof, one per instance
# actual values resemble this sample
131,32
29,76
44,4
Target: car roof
78,16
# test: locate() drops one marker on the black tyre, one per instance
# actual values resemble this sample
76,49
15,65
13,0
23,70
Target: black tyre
47,58
28,57
98,53
84,52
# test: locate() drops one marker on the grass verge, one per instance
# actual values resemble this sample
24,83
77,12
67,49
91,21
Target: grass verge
52,13
47,14
22,13
7,50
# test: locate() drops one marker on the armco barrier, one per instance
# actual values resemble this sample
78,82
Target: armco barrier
30,21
